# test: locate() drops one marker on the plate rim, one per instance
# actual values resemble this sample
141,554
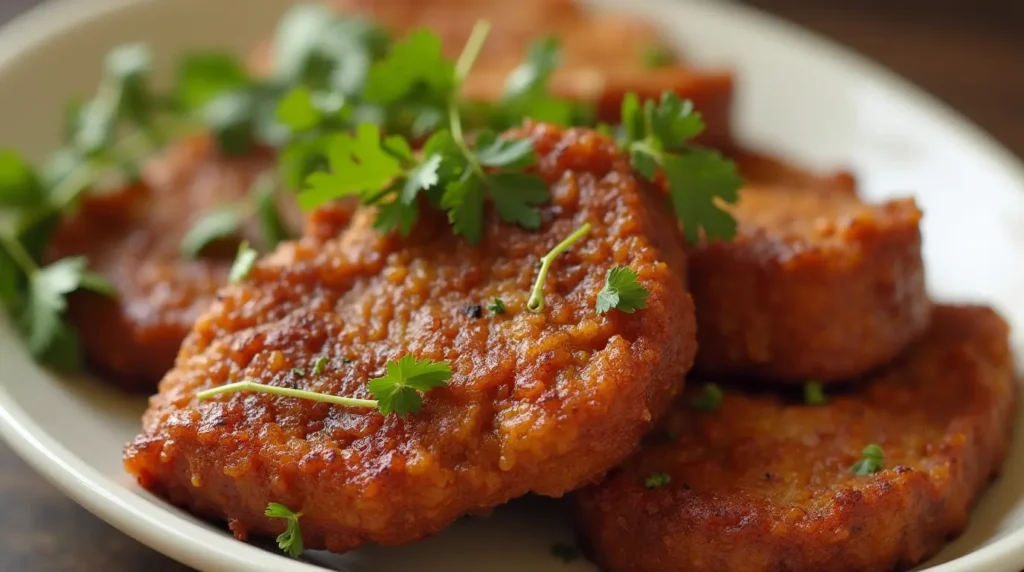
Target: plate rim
197,546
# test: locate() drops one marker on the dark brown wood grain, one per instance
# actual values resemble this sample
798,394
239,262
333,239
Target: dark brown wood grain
969,54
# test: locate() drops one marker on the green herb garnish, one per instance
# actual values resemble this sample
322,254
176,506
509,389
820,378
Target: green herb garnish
453,174
320,365
497,306
290,541
400,390
536,302
656,480
243,264
872,461
657,137
814,393
622,292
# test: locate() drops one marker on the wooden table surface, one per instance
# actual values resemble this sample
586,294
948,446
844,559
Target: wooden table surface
971,57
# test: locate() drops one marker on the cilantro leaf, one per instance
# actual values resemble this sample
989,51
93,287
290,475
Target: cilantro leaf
396,215
497,306
231,117
296,41
622,292
400,389
203,76
516,196
872,461
422,177
215,224
300,159
359,165
697,181
243,264
500,152
526,88
297,111
19,183
464,201
814,393
674,121
128,67
290,541
542,58
657,136
48,288
64,351
415,61
657,480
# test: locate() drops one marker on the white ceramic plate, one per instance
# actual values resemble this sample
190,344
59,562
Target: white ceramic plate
799,95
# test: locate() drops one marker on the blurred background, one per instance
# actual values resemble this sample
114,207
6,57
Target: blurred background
971,55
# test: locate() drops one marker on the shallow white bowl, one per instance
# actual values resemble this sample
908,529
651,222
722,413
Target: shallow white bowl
800,96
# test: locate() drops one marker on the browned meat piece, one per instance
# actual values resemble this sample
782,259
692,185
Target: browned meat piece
764,483
538,402
818,285
132,238
603,53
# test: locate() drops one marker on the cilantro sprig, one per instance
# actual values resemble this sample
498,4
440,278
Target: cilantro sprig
453,173
657,480
872,460
658,138
399,391
290,541
227,220
622,291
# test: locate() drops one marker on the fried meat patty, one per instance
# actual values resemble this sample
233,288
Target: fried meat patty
132,238
603,54
765,484
817,285
538,403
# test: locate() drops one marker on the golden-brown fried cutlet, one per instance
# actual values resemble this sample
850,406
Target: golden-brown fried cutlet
132,237
817,285
539,402
765,484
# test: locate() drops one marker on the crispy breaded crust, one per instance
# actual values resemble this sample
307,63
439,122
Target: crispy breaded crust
764,484
132,237
538,402
817,285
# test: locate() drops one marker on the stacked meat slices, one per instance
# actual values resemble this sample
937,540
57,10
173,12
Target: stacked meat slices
877,471
132,237
818,287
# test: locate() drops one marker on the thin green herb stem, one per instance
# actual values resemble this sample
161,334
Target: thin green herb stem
241,386
473,46
536,302
469,54
18,253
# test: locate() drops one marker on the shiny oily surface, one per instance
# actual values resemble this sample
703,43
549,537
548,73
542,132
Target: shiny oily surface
801,96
